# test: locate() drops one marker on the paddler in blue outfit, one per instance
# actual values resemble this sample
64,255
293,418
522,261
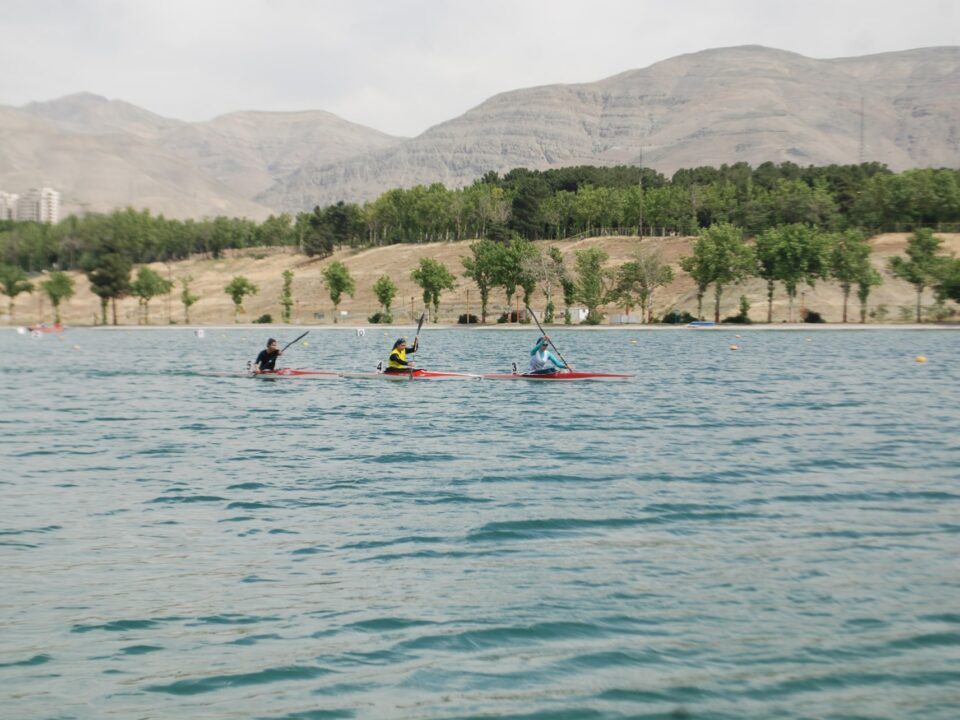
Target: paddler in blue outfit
398,357
267,359
542,361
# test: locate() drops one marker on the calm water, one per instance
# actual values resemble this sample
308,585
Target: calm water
768,533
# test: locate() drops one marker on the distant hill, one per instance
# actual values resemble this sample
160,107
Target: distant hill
100,172
250,151
102,154
751,104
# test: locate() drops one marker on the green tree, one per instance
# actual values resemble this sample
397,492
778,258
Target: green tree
514,269
949,285
238,289
13,281
699,267
792,254
721,257
109,276
923,265
482,267
286,296
849,261
187,297
547,269
637,279
147,286
866,282
433,277
593,281
58,287
385,290
338,280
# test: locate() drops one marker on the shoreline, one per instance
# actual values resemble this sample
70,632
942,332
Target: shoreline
515,327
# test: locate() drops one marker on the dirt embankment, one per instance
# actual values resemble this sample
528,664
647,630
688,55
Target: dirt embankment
312,304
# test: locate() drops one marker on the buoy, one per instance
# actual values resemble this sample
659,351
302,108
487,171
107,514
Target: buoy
921,359
633,342
199,333
306,343
737,336
76,347
21,331
734,347
808,339
361,332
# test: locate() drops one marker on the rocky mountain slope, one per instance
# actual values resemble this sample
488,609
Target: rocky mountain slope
751,104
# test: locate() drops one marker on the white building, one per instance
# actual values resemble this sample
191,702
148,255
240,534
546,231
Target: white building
8,205
40,205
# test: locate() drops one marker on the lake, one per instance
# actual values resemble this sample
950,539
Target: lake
770,532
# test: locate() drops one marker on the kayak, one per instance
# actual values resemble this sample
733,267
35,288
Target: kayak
292,373
568,376
273,374
415,375
44,328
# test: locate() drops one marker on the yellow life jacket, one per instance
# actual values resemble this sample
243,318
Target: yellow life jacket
398,359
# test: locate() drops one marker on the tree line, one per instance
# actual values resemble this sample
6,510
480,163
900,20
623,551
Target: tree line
792,255
529,204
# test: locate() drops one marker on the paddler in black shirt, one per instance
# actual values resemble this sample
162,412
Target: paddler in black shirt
398,357
267,359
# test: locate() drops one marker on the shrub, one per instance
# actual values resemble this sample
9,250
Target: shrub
675,317
380,317
264,319
811,316
468,319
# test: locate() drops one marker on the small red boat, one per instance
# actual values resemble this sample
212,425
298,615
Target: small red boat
417,374
44,328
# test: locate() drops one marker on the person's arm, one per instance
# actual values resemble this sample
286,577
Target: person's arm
556,362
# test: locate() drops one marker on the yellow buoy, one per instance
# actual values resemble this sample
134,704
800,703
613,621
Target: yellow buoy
633,342
76,347
734,347
306,343
921,359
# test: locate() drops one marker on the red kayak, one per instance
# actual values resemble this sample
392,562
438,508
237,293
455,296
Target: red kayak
44,328
272,374
567,376
417,374
292,373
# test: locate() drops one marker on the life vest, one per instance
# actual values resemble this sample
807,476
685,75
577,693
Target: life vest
398,359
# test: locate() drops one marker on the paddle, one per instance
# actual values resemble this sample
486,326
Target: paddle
540,327
416,338
294,340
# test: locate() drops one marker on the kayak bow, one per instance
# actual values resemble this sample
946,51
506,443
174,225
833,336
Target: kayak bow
568,376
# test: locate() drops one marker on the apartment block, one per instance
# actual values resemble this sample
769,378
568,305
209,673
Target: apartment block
40,205
8,205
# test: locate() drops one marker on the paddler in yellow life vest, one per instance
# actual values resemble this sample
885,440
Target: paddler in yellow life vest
398,357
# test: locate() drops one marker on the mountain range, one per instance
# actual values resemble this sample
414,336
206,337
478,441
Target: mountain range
749,103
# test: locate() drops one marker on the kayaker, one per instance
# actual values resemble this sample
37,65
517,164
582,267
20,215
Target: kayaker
542,361
267,359
398,357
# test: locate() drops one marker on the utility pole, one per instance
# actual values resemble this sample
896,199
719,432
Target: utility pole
863,141
640,185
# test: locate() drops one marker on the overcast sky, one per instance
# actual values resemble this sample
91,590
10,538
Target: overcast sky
403,65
